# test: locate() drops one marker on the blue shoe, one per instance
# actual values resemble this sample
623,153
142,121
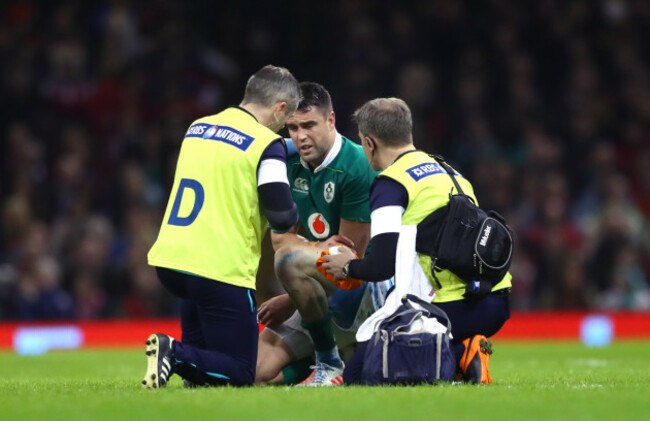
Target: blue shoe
159,361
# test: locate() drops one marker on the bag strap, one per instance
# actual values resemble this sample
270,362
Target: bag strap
433,309
402,311
450,171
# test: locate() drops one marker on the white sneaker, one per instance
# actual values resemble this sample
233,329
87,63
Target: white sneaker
323,375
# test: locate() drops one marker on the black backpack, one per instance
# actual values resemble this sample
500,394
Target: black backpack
476,246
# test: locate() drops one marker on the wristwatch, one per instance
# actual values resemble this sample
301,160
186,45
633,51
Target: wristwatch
346,270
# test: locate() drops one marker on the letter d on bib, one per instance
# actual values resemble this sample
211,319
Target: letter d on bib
199,196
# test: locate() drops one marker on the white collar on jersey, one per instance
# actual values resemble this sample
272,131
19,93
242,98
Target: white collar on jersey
336,148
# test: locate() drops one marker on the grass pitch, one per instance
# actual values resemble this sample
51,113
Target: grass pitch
532,381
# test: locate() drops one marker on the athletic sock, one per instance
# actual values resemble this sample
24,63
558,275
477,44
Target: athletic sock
322,334
330,357
297,371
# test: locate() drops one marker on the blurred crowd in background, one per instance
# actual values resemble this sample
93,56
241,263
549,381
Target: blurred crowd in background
543,105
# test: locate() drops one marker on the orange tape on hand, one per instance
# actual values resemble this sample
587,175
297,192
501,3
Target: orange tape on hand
345,284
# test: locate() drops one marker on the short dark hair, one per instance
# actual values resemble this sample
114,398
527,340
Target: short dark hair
272,84
389,119
315,95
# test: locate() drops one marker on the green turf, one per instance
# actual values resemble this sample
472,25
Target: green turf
549,381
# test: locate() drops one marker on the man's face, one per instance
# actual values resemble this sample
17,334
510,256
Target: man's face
312,133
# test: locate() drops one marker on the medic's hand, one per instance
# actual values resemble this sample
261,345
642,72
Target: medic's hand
331,264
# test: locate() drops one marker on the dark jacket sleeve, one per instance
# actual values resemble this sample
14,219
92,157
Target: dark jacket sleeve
379,264
275,198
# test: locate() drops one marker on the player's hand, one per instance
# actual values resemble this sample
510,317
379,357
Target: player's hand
334,263
338,239
274,311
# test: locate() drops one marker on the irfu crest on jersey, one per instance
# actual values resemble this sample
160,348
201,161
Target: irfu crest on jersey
329,191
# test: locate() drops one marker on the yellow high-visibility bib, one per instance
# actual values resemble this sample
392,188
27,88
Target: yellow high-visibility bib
428,186
213,226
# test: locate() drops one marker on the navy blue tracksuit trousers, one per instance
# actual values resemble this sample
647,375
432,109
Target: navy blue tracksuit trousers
220,330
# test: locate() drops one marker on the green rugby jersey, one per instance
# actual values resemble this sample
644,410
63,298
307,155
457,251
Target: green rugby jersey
338,188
